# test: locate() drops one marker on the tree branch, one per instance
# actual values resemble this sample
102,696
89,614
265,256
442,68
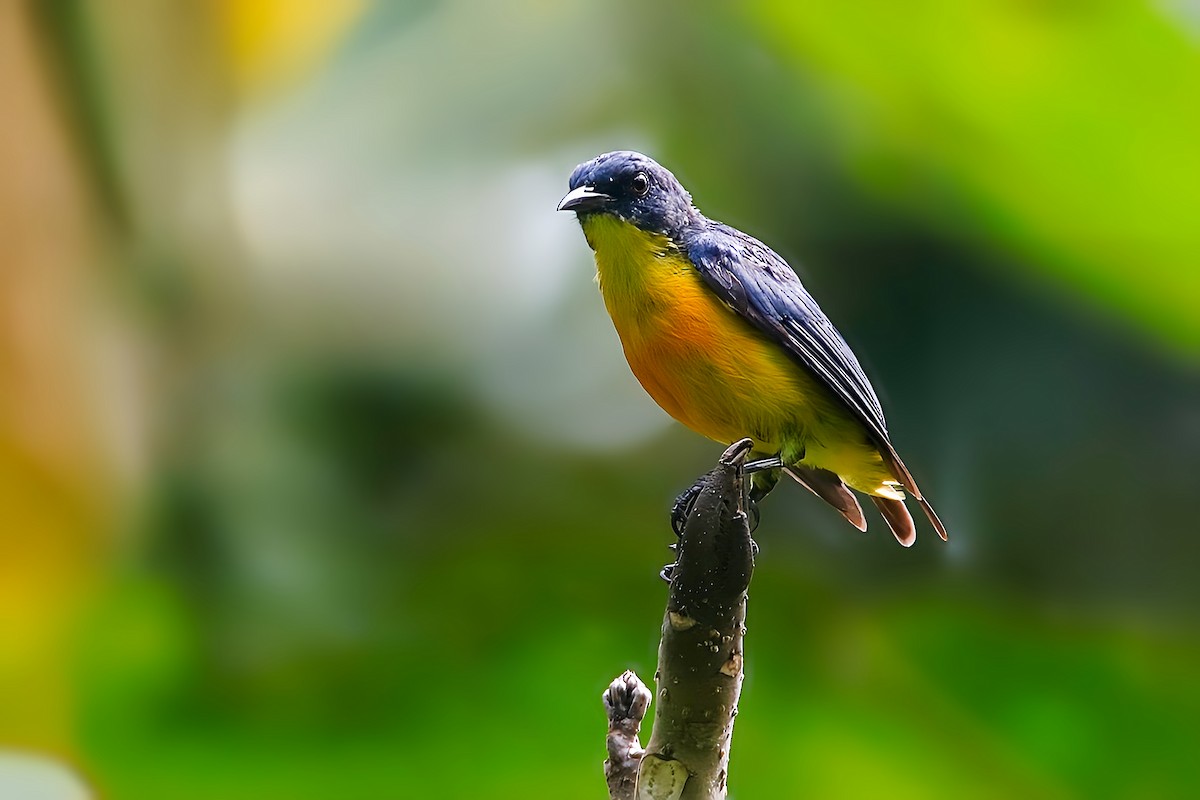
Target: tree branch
699,674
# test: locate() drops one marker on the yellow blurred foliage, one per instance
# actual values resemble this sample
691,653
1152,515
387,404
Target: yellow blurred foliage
271,43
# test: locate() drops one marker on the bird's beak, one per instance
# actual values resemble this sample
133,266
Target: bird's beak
584,198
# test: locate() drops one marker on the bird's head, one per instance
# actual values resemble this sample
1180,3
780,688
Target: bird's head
631,187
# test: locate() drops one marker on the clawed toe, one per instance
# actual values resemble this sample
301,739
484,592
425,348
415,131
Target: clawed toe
753,516
683,507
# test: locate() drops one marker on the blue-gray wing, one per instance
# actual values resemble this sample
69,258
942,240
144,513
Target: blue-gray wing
760,287
756,283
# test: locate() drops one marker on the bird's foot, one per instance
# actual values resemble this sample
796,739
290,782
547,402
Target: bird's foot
752,517
683,506
686,500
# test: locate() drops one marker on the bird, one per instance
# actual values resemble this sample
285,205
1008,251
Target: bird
722,334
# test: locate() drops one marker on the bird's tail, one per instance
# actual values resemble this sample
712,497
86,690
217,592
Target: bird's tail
933,518
829,487
898,519
901,473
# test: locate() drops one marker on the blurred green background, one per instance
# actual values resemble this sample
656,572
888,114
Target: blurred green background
322,474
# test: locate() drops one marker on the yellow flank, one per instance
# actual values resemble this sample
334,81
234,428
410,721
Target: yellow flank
712,370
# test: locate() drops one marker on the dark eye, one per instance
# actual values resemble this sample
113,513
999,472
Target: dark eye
640,184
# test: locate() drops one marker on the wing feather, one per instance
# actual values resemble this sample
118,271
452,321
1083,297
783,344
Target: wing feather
759,285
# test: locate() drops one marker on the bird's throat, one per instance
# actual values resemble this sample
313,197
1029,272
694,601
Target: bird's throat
638,271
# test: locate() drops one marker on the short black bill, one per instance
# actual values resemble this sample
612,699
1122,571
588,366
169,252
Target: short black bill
584,198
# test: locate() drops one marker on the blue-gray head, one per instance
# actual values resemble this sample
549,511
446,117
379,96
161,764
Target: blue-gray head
632,187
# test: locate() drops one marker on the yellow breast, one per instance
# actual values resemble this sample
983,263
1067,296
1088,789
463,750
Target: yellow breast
706,366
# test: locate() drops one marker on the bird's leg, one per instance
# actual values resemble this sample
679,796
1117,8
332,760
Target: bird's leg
763,464
764,474
761,484
762,481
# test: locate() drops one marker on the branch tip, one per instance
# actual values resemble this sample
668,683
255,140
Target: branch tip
626,700
736,453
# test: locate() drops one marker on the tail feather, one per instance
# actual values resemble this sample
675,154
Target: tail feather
901,473
892,459
897,518
933,518
829,487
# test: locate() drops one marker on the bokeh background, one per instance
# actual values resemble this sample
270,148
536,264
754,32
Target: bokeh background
322,474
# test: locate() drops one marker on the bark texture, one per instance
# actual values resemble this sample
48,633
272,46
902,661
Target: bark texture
700,656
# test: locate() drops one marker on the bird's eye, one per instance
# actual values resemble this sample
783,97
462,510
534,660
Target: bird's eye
640,184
